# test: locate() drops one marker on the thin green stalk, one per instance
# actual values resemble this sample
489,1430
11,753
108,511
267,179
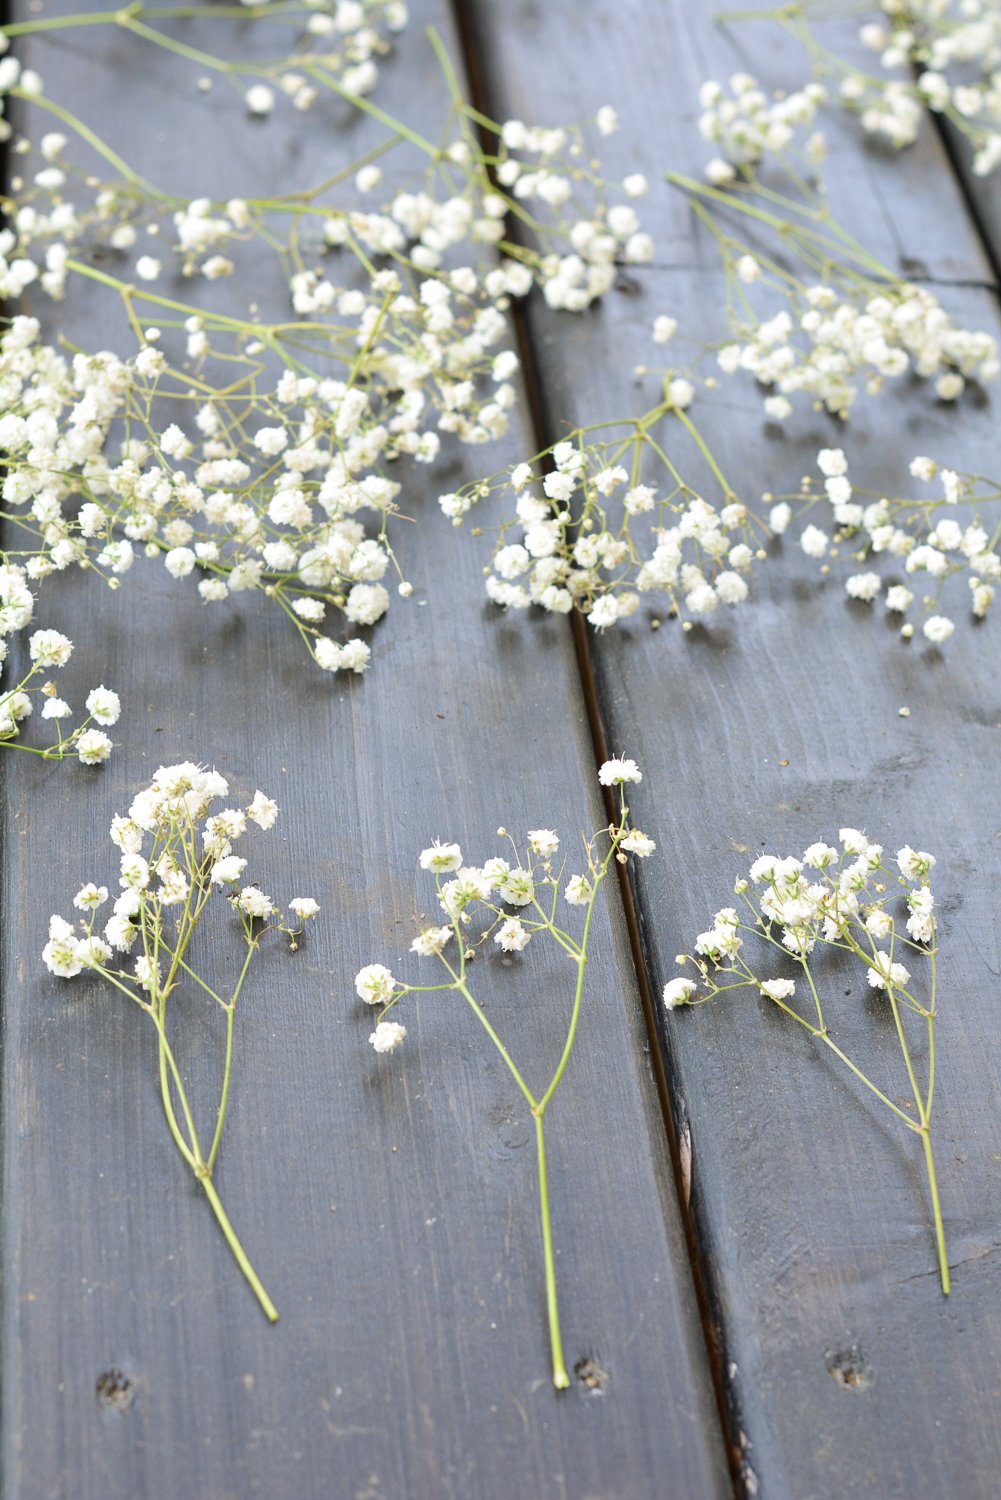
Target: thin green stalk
268,1307
943,1260
224,1097
86,134
823,1037
561,1379
491,1033
578,995
703,448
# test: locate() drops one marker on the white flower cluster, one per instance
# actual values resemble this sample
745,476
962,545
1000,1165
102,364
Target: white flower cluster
827,320
838,896
946,58
269,487
830,342
48,651
339,46
582,226
747,126
343,42
580,236
919,544
188,853
486,893
595,533
835,905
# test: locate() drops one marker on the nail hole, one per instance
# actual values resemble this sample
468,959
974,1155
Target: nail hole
591,1376
115,1390
848,1368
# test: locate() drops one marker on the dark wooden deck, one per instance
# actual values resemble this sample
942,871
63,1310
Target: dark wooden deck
393,1207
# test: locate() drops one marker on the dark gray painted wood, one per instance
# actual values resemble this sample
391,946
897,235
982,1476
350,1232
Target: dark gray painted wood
771,727
388,1204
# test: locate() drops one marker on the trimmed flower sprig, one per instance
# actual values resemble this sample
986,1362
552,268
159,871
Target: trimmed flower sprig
926,541
829,914
615,520
165,897
512,904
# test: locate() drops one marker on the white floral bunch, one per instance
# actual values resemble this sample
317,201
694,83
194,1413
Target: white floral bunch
512,903
911,548
278,481
747,126
602,520
48,651
938,55
259,503
830,343
337,46
577,225
175,855
822,916
836,321
546,179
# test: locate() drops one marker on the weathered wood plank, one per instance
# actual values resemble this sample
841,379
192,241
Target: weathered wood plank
766,730
388,1203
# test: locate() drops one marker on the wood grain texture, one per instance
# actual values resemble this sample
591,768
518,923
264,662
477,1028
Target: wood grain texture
389,1204
767,729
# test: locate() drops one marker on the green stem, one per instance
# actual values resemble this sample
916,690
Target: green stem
268,1307
491,1033
943,1261
703,448
823,1037
561,1379
224,1098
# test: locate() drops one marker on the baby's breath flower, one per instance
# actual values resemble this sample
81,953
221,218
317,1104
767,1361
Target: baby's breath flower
262,811
432,940
472,898
228,870
543,842
374,984
441,858
387,1036
304,907
678,992
638,843
164,896
90,896
93,747
884,972
617,771
512,936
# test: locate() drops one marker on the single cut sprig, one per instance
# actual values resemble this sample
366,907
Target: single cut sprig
605,516
906,544
830,914
512,904
175,856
